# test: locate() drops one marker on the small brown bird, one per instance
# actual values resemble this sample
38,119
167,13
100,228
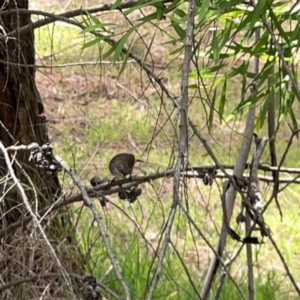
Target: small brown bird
122,165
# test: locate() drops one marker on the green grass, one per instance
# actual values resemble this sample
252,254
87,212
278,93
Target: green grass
108,126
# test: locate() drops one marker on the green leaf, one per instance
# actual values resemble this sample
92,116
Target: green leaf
217,81
123,65
193,86
176,20
93,42
206,72
281,118
278,27
259,9
142,4
110,51
86,21
116,4
178,50
263,45
225,35
212,110
245,77
203,10
182,14
231,116
253,17
147,18
120,44
252,99
175,2
93,18
294,120
263,113
215,47
179,30
159,12
97,27
265,73
172,41
222,101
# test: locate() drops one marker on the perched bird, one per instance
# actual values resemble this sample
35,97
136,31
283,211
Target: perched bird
122,165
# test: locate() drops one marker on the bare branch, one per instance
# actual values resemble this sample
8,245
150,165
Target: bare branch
202,169
254,193
213,250
102,231
64,17
224,272
35,220
51,275
183,143
230,200
110,188
272,139
73,64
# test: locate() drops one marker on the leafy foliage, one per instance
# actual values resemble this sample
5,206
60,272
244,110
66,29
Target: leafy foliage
227,52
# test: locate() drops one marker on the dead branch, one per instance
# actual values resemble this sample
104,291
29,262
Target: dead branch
215,252
272,139
64,17
34,217
229,200
51,275
109,188
102,231
182,158
253,193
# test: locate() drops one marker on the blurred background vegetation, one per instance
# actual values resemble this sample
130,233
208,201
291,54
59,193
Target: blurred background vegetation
96,109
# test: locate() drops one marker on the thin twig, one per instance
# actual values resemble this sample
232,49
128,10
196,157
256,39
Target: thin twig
35,220
272,138
230,200
51,275
223,275
288,272
212,248
66,65
202,169
50,18
110,188
206,168
102,231
253,193
185,268
183,144
254,182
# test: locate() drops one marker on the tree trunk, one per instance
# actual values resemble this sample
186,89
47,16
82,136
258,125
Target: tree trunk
23,252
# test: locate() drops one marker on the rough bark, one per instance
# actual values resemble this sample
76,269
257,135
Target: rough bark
21,113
